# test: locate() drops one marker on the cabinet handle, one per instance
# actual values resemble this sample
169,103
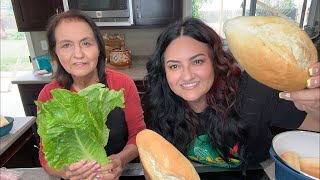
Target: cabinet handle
138,13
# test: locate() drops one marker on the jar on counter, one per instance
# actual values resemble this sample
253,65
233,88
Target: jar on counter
120,57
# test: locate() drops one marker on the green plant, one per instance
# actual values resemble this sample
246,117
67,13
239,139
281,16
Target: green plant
196,5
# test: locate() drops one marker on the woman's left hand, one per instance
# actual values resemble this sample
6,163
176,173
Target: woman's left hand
112,170
308,100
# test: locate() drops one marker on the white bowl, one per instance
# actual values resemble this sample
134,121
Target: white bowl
304,143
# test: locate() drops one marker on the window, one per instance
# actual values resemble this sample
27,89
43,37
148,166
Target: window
216,12
292,10
14,53
14,48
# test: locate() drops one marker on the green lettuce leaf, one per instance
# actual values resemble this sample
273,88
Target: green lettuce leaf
72,125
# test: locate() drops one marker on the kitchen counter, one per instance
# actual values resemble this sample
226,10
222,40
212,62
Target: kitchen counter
27,77
20,126
136,71
19,136
132,170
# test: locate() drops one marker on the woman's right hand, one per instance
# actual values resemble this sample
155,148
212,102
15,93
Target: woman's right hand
307,100
80,170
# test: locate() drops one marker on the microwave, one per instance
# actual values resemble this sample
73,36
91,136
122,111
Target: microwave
104,12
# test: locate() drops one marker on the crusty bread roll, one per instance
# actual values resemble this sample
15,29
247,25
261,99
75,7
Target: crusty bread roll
272,50
292,159
3,121
310,166
161,159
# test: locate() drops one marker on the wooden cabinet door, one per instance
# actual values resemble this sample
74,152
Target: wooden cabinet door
156,12
33,15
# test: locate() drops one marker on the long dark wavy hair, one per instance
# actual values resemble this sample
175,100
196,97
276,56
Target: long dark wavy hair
171,116
61,75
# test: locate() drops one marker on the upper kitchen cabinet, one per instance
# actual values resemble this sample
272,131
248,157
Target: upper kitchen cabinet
156,12
33,15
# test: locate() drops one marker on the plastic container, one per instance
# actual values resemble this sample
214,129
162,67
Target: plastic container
304,143
43,62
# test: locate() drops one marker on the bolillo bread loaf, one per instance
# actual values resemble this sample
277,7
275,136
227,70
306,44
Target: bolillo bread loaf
161,159
272,50
310,166
292,159
3,121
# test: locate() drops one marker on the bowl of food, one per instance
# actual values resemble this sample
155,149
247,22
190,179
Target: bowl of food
296,155
6,124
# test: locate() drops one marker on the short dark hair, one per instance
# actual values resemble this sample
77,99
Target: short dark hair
61,75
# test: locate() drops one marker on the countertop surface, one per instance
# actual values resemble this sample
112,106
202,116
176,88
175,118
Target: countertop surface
136,71
20,125
132,169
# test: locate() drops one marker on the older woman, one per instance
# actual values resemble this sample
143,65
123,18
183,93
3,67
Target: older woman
76,44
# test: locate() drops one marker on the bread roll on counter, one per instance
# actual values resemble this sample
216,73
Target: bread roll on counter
272,50
161,160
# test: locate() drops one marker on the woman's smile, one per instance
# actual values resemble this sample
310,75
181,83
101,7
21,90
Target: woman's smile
80,63
189,86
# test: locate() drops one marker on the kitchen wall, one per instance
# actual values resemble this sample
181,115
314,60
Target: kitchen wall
139,41
36,37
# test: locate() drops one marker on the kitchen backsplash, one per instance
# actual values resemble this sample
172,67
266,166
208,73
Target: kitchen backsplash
138,41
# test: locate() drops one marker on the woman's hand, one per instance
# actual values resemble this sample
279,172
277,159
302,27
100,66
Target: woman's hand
308,100
112,170
80,170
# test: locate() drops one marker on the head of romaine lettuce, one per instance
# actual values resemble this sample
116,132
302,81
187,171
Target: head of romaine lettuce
72,126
